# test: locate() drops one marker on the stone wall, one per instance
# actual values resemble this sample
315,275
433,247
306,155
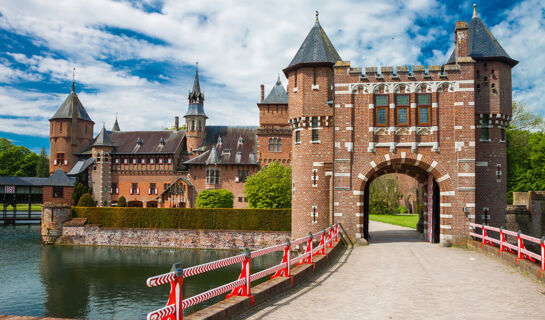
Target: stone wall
75,232
526,213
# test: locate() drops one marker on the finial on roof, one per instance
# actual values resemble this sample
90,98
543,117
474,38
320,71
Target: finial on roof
317,16
74,80
278,82
475,15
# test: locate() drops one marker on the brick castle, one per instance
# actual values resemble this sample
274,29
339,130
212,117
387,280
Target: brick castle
338,126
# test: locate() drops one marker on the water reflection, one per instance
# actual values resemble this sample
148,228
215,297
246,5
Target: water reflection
97,282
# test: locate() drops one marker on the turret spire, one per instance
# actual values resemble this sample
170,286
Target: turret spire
74,80
115,128
196,96
475,15
317,16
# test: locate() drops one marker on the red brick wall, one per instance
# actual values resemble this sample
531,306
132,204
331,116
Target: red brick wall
67,195
61,142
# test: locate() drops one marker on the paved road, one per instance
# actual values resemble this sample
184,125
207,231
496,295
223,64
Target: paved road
401,277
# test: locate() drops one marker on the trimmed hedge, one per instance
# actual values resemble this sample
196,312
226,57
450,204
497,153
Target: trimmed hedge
182,218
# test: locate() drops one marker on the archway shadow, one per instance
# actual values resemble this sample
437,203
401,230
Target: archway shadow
388,236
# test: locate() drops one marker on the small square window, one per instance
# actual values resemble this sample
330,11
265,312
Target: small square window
424,99
315,135
402,100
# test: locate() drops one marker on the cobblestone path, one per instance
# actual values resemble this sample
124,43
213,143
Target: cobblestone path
401,277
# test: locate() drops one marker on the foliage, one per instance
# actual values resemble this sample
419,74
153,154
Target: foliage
42,166
86,200
401,209
270,187
215,198
17,161
121,202
79,191
384,195
409,220
184,218
525,152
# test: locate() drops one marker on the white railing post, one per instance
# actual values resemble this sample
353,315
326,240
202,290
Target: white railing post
519,246
542,256
177,268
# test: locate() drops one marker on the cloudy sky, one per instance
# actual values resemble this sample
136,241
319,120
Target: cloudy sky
137,58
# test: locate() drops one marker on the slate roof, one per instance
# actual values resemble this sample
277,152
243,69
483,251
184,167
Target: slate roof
232,145
103,139
278,94
59,178
115,128
195,109
316,48
195,95
483,45
71,103
22,181
80,166
164,142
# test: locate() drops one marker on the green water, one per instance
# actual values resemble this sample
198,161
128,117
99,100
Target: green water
97,282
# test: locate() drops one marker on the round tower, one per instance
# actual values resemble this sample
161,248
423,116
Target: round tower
70,130
310,98
101,175
195,118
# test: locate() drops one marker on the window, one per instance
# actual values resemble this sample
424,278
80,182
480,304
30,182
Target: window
275,145
295,81
116,160
240,199
502,134
114,189
150,161
169,160
402,110
134,161
485,134
381,107
143,161
134,189
314,76
165,186
61,126
242,175
60,159
160,160
297,136
212,176
315,124
424,108
152,188
58,191
125,161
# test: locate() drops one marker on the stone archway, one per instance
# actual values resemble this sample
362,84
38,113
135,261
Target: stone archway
435,179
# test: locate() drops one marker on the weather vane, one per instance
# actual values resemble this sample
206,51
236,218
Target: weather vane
317,15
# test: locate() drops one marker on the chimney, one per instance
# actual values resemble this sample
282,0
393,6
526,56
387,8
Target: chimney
461,39
262,92
176,123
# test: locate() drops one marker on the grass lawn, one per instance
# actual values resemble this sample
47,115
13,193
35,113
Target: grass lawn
24,207
408,220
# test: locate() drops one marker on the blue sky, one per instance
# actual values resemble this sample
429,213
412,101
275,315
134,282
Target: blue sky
137,58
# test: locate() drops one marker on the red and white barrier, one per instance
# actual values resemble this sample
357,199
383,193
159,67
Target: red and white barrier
242,286
521,252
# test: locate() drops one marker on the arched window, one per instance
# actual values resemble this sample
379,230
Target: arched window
199,128
192,125
212,176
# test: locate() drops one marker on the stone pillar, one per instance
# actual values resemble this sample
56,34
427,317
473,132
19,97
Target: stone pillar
53,216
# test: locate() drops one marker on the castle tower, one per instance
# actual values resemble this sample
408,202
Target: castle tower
101,177
274,134
310,109
475,45
70,129
195,118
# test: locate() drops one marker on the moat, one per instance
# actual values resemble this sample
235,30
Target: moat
96,282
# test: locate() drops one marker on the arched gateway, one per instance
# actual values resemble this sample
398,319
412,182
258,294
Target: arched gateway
444,125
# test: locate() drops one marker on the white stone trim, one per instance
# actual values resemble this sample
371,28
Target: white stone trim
447,193
335,203
358,192
471,143
458,103
349,128
362,177
470,205
315,142
432,166
359,225
317,164
434,104
374,165
371,106
413,105
445,226
445,204
443,178
481,164
338,214
315,87
342,174
328,173
446,237
337,144
359,214
371,129
392,106
337,105
466,174
418,159
458,127
348,146
295,90
445,216
348,105
358,235
359,204
471,103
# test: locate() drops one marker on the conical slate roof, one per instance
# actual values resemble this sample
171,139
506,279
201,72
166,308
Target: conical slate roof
103,139
316,48
115,128
71,103
213,157
196,99
482,44
278,94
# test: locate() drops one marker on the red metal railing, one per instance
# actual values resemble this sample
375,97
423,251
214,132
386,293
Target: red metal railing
504,246
242,286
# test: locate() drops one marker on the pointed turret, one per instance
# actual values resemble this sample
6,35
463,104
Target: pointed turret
278,94
316,49
213,157
196,96
482,45
115,128
103,139
195,117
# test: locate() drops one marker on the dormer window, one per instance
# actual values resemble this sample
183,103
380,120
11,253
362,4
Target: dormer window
162,141
240,142
139,141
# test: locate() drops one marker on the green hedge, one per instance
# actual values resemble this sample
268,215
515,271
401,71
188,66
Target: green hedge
215,219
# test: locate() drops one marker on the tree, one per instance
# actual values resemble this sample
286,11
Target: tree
86,200
17,160
121,202
79,191
270,187
524,119
384,195
215,198
42,166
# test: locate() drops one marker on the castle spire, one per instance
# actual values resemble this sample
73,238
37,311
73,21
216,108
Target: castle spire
74,80
196,96
475,15
115,128
317,16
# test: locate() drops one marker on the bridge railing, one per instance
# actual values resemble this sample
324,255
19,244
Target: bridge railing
242,286
504,246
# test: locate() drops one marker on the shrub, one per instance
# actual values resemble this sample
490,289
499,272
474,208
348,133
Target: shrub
270,187
215,198
401,209
121,202
79,190
86,200
184,218
378,206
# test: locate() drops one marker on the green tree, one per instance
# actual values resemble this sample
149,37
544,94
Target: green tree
121,202
17,160
215,198
79,191
86,200
270,187
42,166
384,195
